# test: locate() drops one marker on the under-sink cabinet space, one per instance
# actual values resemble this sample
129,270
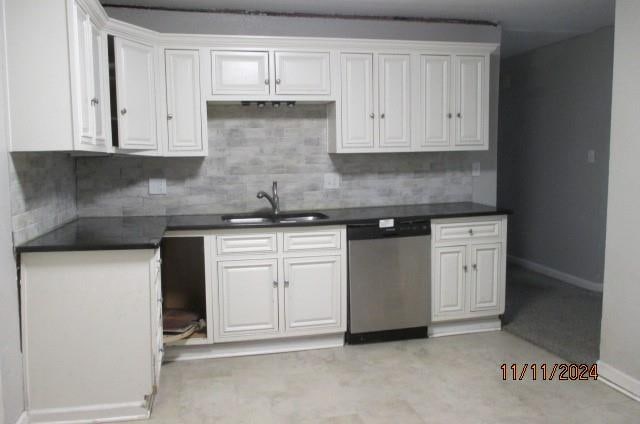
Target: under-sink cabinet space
186,300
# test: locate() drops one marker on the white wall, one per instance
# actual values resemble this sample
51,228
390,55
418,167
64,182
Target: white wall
620,338
10,356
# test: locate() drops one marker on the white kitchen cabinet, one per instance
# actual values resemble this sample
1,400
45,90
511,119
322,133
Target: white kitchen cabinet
184,109
435,101
240,73
395,100
449,281
91,334
471,101
136,95
302,73
485,277
278,285
468,268
56,76
312,292
248,293
358,117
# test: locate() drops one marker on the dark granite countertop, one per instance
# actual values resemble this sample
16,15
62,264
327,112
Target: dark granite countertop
146,232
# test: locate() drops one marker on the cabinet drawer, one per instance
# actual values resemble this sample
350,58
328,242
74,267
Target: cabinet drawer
467,230
312,240
247,243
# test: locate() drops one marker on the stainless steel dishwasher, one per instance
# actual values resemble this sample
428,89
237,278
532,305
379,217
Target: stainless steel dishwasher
389,280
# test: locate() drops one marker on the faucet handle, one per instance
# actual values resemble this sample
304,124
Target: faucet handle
275,188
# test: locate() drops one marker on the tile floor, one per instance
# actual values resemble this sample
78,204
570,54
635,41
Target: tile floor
447,380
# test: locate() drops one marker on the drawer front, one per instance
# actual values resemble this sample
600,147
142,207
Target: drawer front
467,230
247,244
312,240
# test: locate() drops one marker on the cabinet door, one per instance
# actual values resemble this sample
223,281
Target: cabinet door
248,297
470,99
239,72
395,100
449,275
312,293
99,101
183,100
302,73
135,95
84,69
435,98
357,100
485,277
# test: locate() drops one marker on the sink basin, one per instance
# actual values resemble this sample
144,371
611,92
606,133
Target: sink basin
249,219
301,216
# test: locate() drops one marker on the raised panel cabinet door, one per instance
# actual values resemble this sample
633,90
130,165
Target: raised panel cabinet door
312,292
435,100
248,297
485,277
84,72
100,80
470,99
135,95
450,273
395,100
302,73
184,119
357,100
235,72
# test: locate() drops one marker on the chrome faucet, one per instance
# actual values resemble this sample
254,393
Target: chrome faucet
273,199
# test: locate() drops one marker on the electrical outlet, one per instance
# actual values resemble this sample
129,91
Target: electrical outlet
475,169
157,186
331,181
591,156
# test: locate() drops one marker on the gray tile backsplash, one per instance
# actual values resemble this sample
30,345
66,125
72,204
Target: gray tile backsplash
43,192
248,148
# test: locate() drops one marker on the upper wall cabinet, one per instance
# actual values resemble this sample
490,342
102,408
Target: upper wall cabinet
57,76
184,105
267,74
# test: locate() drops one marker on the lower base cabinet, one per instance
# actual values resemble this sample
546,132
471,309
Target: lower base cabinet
468,268
279,284
91,334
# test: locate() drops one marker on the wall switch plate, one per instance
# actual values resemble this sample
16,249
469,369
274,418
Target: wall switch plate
157,186
331,181
591,156
475,169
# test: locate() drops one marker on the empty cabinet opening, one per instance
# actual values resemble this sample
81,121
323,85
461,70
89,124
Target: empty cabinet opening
184,288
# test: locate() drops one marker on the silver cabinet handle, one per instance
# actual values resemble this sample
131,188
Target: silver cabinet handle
459,115
372,115
449,115
123,111
466,268
266,81
275,283
382,116
277,80
95,101
470,231
475,267
170,116
286,283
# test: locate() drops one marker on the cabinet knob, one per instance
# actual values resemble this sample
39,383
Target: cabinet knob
382,116
459,115
266,81
277,80
470,231
475,267
123,111
275,283
95,101
372,115
170,116
466,268
286,283
449,115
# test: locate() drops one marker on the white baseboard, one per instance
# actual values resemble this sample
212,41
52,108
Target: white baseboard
23,419
441,329
558,275
89,414
618,380
257,347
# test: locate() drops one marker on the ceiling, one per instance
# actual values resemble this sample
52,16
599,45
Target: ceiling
526,24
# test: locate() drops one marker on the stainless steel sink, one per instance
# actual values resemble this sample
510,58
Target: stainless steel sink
301,216
248,219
